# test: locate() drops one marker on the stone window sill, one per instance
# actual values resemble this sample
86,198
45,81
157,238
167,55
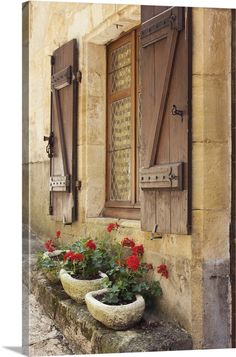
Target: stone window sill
125,223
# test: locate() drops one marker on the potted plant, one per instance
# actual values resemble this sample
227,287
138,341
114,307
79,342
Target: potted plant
50,261
82,268
121,303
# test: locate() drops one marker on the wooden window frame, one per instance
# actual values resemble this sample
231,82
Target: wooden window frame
124,209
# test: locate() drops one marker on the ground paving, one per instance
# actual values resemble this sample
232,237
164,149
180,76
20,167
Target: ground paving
43,338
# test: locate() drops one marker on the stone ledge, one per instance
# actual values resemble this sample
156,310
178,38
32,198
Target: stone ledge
89,336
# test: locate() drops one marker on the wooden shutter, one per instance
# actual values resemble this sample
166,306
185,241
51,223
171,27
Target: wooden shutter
165,133
62,140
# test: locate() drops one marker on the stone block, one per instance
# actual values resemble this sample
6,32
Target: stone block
197,108
216,228
210,176
211,108
108,10
216,282
176,246
97,13
216,176
120,7
96,71
96,121
211,38
196,301
95,198
95,162
197,40
96,59
81,23
197,175
217,41
95,179
197,225
177,285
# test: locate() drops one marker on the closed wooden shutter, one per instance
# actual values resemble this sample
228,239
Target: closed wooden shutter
165,133
63,136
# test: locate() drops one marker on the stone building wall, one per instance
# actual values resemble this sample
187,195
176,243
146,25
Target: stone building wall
198,263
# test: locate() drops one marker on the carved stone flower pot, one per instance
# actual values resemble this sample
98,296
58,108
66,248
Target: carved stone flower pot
52,274
116,317
76,288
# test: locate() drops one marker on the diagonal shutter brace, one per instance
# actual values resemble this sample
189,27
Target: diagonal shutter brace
62,183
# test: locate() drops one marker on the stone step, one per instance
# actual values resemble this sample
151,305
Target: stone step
86,334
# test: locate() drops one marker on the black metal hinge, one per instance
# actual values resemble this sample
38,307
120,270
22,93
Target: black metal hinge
52,60
78,185
50,210
77,76
232,230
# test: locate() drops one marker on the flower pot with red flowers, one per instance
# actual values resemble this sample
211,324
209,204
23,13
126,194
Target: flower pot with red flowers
81,270
117,317
51,260
122,303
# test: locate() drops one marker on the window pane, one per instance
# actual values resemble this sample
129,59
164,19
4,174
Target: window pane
121,79
121,57
120,155
120,123
120,175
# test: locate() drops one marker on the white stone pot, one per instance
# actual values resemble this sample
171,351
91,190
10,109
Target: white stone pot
116,317
52,274
77,289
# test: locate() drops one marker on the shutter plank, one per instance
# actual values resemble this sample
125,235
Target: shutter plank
148,208
159,107
58,115
163,218
147,197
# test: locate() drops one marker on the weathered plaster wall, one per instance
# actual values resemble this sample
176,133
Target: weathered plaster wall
190,258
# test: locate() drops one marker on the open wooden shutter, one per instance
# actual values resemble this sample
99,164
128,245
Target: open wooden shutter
62,140
165,129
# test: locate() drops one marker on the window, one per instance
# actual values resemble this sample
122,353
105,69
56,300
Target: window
123,128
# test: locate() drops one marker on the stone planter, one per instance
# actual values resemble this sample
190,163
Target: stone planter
52,274
116,317
77,289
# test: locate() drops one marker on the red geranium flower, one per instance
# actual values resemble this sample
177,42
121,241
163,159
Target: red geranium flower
77,256
162,269
126,242
138,249
58,234
90,244
165,274
49,246
68,255
112,226
132,262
